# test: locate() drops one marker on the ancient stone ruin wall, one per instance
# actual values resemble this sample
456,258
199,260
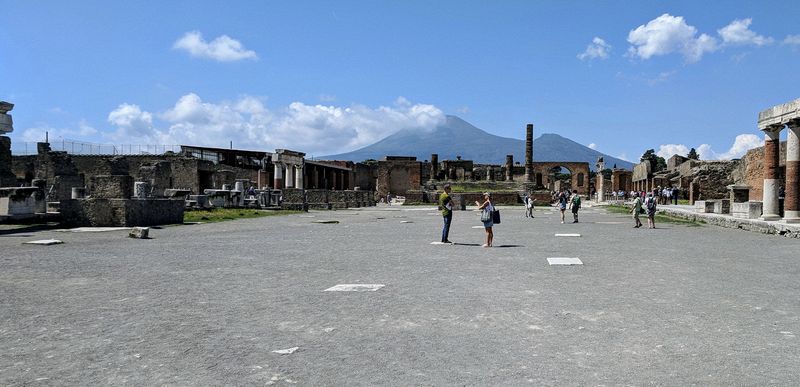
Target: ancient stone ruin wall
7,178
750,171
398,177
711,180
101,212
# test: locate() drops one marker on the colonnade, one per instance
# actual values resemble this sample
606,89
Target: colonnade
772,121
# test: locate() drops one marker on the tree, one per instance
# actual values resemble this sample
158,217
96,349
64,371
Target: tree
693,155
657,163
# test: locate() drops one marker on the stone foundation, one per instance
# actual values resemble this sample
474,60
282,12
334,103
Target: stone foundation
95,212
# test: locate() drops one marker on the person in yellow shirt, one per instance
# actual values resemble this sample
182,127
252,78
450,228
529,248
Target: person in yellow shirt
446,205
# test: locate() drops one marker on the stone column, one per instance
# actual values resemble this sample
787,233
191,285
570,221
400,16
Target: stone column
314,178
772,146
791,203
509,167
289,176
529,153
298,176
434,165
278,180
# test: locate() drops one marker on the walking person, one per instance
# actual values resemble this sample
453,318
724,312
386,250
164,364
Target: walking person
637,209
575,205
650,205
562,204
529,206
446,206
487,217
675,193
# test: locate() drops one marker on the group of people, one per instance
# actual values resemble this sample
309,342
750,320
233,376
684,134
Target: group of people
489,214
646,206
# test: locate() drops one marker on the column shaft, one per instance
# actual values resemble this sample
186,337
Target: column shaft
791,203
771,172
298,176
277,181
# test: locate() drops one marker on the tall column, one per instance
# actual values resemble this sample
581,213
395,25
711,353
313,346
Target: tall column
772,145
277,181
289,176
298,176
529,153
434,165
509,167
791,203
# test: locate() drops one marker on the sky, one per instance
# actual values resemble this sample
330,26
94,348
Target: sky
326,77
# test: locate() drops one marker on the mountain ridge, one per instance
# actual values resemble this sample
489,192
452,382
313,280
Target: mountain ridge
457,137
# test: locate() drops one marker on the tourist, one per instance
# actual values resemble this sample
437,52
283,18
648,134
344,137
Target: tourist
562,204
528,206
574,205
446,205
637,209
650,205
487,217
675,193
389,198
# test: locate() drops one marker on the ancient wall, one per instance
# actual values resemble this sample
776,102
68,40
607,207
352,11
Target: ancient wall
579,172
7,178
750,171
97,212
398,177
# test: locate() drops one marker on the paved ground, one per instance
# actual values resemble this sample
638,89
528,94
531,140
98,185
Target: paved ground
208,304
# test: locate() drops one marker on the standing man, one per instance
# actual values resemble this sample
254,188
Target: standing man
575,205
675,193
637,209
446,205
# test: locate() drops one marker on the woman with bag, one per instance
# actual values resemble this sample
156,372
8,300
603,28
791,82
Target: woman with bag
487,213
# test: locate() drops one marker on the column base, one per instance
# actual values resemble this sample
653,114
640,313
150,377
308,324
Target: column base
770,217
791,217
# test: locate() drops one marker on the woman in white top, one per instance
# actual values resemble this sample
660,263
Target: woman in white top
487,208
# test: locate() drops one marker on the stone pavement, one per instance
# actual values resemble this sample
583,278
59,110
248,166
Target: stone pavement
244,303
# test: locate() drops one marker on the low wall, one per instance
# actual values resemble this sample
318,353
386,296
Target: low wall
94,212
322,199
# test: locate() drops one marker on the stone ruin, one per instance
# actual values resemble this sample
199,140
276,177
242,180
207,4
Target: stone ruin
16,203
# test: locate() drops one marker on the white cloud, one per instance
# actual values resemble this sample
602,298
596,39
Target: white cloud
792,40
741,145
669,34
131,123
668,150
39,132
623,156
223,48
739,33
598,49
314,129
592,146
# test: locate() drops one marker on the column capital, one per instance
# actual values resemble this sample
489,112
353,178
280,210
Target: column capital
773,129
793,124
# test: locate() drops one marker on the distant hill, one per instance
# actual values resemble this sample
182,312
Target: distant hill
457,137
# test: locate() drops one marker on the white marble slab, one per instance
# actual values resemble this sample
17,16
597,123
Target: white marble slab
44,242
355,288
564,261
568,235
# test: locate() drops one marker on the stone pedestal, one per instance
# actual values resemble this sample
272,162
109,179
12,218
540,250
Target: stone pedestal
739,193
746,210
704,206
722,206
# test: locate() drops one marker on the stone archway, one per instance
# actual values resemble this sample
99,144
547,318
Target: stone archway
579,175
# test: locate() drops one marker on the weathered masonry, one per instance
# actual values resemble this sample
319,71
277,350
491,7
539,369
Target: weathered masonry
772,121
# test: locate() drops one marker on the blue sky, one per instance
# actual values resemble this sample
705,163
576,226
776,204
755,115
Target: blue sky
332,76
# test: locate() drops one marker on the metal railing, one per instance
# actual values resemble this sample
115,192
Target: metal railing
90,148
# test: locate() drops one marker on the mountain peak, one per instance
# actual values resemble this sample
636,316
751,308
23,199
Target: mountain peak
456,137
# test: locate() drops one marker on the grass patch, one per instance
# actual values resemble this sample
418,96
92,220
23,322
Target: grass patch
659,218
223,214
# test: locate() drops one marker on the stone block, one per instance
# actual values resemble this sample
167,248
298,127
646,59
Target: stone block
140,233
722,206
22,201
95,212
704,206
746,210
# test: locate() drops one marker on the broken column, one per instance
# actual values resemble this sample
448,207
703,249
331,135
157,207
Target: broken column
7,178
529,153
434,165
771,172
509,167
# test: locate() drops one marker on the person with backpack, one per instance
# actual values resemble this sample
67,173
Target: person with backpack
650,205
637,209
575,205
